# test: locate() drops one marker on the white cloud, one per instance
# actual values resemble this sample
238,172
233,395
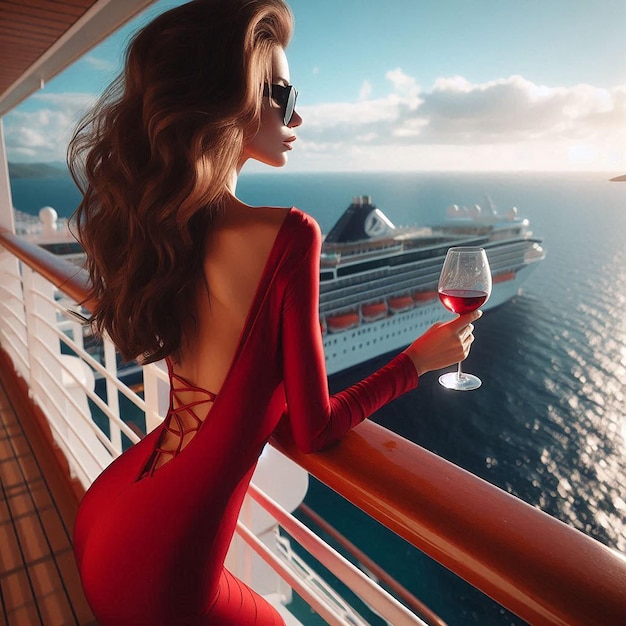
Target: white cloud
508,123
74,102
505,123
43,134
515,109
402,83
367,118
102,65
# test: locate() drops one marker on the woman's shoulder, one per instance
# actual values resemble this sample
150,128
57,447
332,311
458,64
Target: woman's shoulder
306,226
301,230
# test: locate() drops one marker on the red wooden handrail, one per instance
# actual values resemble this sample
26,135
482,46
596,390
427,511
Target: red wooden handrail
72,280
539,568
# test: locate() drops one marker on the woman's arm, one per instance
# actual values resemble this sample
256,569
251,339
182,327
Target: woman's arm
316,418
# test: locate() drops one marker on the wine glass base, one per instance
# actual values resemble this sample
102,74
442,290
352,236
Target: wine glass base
462,382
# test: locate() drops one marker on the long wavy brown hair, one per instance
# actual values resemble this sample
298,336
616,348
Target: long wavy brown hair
154,156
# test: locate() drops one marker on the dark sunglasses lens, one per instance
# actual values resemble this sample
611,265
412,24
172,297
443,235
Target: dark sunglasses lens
285,97
290,104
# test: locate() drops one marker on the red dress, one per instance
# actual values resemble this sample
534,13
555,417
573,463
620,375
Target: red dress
150,545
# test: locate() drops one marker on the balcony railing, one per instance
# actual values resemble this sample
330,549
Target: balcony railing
537,567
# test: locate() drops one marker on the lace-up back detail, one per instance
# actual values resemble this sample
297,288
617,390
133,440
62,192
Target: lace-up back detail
182,422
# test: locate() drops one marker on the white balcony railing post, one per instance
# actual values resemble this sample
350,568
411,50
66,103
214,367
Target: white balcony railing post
44,351
12,318
13,333
156,390
58,381
113,400
7,218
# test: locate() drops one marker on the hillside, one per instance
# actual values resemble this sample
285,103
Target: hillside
37,170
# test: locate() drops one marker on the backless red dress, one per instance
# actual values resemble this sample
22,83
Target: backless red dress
150,543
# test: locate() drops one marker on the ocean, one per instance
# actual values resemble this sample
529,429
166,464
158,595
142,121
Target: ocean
549,424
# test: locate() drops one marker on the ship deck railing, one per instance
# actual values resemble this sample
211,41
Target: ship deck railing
534,565
339,297
498,254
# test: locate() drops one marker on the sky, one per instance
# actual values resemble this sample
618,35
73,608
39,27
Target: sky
413,85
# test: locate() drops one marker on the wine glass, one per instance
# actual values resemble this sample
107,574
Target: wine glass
464,285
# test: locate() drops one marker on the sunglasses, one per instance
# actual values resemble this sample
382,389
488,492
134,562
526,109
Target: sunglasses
285,97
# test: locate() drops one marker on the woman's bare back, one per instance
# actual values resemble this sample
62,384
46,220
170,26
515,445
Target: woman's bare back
237,249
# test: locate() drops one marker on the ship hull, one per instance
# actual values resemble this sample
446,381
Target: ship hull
394,332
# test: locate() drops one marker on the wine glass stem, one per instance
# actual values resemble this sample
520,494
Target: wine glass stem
459,373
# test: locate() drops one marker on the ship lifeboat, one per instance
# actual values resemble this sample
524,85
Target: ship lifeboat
421,297
373,311
399,304
339,323
502,278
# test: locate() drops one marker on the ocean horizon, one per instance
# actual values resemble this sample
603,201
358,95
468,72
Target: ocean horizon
548,425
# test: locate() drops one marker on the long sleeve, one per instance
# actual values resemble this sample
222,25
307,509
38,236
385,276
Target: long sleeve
316,418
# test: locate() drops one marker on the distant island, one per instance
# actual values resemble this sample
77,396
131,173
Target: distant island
37,170
619,179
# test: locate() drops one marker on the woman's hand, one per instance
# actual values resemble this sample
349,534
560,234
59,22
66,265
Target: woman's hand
443,344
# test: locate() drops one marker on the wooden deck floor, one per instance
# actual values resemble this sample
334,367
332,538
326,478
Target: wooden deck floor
39,583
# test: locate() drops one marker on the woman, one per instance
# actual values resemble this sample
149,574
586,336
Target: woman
227,293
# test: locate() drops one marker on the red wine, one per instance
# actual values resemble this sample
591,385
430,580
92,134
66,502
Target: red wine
462,300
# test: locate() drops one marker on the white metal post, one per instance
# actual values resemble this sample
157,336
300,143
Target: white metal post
113,400
12,317
156,394
44,351
7,219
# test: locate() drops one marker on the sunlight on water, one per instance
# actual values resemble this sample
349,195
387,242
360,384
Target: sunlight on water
599,368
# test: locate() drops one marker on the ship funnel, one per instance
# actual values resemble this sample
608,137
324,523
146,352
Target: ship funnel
361,221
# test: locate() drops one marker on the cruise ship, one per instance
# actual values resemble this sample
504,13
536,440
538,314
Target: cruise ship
378,283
